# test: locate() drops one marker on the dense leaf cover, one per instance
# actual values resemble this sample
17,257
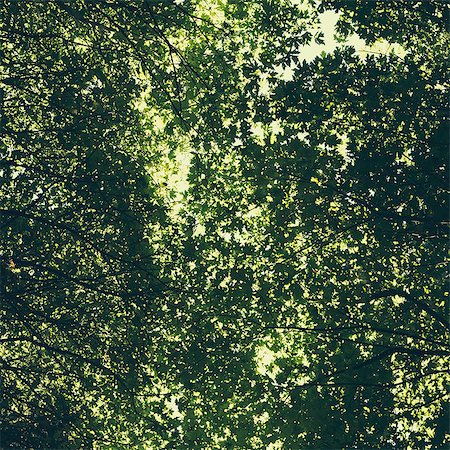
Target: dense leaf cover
295,297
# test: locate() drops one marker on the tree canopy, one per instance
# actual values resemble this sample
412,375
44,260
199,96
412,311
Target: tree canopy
213,237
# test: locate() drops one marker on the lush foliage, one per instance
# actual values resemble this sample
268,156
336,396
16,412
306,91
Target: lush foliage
293,295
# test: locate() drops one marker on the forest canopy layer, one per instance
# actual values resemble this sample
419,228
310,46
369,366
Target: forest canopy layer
224,224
